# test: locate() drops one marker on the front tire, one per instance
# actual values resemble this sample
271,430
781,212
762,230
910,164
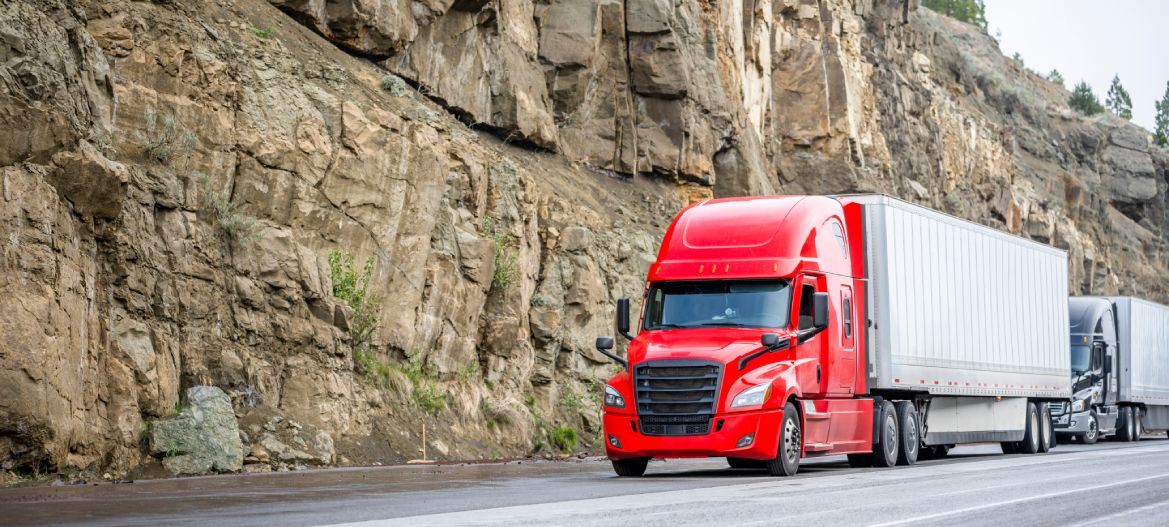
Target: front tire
909,438
885,455
1093,434
630,468
791,446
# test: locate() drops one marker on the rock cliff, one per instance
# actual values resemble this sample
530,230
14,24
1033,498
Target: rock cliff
176,174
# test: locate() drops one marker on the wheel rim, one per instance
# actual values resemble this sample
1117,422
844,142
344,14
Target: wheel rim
1034,431
911,447
791,441
891,434
1091,428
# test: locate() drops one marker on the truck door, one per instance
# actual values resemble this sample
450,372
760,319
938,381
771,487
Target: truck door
811,373
844,369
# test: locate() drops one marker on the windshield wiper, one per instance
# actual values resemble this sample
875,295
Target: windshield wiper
724,325
670,326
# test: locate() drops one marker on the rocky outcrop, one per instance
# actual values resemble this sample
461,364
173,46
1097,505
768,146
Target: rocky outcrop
203,437
175,175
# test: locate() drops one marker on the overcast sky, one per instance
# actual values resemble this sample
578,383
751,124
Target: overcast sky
1092,41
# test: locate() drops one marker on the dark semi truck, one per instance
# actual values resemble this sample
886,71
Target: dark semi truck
1120,370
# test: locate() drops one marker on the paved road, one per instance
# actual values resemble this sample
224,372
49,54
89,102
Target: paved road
1109,483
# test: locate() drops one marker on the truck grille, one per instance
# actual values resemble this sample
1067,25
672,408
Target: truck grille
676,397
1056,409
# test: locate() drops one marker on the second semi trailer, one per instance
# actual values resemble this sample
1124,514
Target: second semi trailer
780,328
1119,370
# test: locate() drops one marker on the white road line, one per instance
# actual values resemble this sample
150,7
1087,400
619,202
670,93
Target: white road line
1121,514
1014,501
663,500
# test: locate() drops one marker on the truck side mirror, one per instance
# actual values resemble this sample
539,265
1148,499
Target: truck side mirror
769,340
1107,364
820,310
604,344
623,318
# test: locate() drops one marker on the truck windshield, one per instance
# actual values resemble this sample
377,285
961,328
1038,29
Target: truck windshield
725,303
1081,357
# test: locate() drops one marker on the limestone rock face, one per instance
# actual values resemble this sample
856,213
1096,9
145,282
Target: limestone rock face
174,176
202,438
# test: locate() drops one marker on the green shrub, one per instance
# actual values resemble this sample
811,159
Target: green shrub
506,268
429,399
240,228
352,286
564,438
163,143
394,85
264,32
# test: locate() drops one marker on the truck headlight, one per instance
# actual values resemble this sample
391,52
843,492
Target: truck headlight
753,396
1078,406
613,397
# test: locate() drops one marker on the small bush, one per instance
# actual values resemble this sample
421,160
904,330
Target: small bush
429,399
564,438
352,287
394,85
505,258
240,228
573,402
164,143
263,32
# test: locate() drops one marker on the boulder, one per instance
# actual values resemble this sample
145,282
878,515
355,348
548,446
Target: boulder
204,437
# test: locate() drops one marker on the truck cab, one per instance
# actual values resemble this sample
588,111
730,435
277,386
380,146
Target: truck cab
1092,412
748,309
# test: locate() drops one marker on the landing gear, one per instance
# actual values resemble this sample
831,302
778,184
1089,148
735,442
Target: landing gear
787,459
633,467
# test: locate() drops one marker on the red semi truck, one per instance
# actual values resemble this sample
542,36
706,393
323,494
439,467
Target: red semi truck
780,328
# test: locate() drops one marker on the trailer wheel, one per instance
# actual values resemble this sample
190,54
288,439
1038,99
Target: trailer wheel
1137,425
1124,424
633,467
742,462
791,445
1030,442
1093,433
1046,431
910,436
885,455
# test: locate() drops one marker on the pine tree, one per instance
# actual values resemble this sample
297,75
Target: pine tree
1161,120
969,11
1084,100
1018,58
1118,101
1055,77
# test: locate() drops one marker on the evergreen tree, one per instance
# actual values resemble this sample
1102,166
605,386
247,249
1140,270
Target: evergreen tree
969,11
1161,120
1084,100
1018,58
1118,101
1055,77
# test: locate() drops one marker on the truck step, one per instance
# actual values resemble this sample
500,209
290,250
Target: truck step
817,447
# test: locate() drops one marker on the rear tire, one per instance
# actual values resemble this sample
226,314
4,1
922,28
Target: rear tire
910,436
1046,430
791,445
630,468
886,452
1124,425
1030,442
1137,425
742,462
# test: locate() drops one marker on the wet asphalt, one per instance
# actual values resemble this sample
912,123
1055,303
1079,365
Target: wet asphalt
1107,483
